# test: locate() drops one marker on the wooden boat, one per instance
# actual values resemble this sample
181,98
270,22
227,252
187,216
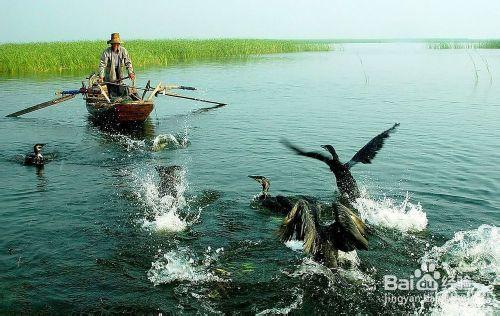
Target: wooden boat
119,110
129,109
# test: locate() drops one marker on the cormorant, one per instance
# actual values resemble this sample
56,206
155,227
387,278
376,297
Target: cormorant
345,181
35,158
279,203
170,177
323,242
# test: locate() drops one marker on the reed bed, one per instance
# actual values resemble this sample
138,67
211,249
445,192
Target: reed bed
60,57
489,44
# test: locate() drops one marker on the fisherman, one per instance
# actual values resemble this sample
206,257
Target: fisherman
113,61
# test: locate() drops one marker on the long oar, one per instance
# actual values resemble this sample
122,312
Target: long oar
164,88
181,87
149,89
42,105
190,98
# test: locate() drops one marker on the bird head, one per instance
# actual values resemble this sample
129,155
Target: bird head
331,150
38,148
264,182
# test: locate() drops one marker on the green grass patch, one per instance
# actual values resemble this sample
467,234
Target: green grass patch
489,44
484,44
58,57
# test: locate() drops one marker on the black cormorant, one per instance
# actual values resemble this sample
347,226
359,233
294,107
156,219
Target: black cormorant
323,242
345,181
35,158
170,177
279,203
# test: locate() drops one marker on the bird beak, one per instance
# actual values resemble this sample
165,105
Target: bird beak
255,178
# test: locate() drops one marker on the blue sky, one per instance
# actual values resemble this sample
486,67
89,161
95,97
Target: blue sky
51,20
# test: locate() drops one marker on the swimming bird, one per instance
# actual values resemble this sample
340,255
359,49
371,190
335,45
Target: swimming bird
35,158
323,242
279,203
170,177
345,181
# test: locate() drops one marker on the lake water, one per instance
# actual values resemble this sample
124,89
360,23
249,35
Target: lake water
89,233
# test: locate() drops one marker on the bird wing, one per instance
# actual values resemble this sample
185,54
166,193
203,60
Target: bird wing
301,152
301,223
29,158
369,151
352,225
257,178
284,202
264,182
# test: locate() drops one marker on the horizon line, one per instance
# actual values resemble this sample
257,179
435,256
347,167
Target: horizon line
331,40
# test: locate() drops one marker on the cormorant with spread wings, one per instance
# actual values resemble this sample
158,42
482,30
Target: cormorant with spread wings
345,181
323,242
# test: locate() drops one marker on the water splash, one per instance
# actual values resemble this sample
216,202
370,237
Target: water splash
295,245
164,210
160,142
181,265
352,273
474,253
466,298
169,141
350,259
129,143
406,216
299,297
470,261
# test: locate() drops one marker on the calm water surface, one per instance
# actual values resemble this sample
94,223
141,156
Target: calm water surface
89,233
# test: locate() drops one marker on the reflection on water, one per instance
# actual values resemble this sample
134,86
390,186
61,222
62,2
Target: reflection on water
42,180
134,130
207,109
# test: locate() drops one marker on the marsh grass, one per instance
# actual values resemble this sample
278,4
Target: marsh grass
485,44
58,57
489,44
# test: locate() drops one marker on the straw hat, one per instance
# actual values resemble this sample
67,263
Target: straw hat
115,39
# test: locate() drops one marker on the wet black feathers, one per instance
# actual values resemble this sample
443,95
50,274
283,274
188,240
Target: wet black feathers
370,150
35,158
350,228
310,154
347,233
302,223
